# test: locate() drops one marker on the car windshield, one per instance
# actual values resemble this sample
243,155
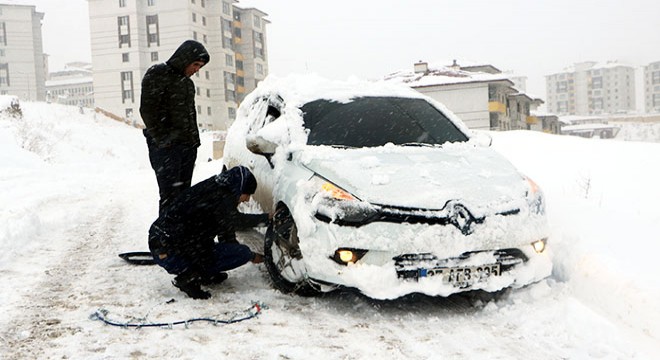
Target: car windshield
376,121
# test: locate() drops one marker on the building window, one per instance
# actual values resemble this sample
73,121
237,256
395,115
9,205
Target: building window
226,26
2,52
208,93
203,20
4,74
656,100
197,91
194,35
154,56
232,113
239,64
260,69
562,86
230,86
227,42
597,83
203,3
124,31
127,86
199,109
208,110
562,107
125,57
258,40
207,75
598,104
229,60
122,3
257,22
151,2
226,8
153,31
194,17
204,39
655,77
3,33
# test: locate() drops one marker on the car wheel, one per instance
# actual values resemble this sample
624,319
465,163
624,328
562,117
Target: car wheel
283,257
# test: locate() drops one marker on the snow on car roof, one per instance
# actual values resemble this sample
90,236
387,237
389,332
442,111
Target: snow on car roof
299,89
303,88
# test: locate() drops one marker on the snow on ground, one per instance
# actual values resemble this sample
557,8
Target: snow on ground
77,189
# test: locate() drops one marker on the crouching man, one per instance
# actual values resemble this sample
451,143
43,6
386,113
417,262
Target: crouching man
181,240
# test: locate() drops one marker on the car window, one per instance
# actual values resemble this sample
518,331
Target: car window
375,121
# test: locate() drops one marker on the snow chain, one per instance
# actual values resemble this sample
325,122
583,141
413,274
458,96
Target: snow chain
252,312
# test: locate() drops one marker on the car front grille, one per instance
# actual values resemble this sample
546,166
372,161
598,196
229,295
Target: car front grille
452,214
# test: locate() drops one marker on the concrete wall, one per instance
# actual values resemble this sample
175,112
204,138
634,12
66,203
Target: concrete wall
468,101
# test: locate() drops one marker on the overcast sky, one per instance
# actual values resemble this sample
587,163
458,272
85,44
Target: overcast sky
372,38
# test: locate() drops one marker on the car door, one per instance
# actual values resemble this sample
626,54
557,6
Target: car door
263,111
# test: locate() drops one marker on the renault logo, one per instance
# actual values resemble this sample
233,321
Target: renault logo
460,217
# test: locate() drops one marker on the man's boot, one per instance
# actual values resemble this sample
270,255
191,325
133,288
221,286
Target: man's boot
190,284
215,279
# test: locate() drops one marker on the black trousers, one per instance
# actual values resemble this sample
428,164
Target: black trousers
173,166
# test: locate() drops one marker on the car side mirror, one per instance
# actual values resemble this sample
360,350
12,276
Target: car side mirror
260,146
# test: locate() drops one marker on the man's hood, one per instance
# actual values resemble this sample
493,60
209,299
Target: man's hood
187,53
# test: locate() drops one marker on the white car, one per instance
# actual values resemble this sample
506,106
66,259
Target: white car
379,188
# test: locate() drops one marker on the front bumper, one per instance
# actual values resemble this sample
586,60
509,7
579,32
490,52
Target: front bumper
400,255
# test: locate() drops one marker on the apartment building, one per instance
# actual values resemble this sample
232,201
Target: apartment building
481,95
129,36
652,87
591,88
72,86
23,65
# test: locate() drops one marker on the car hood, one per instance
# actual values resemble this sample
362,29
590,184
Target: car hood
423,177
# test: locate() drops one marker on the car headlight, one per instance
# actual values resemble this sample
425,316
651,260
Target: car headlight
346,256
535,197
334,204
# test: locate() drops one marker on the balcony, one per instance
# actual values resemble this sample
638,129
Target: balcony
496,107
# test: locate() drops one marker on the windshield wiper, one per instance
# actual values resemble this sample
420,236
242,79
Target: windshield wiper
420,144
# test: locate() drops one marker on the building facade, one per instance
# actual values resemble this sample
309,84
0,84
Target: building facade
481,95
72,86
129,36
23,65
652,87
590,88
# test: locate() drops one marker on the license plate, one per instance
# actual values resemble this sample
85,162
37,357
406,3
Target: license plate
462,276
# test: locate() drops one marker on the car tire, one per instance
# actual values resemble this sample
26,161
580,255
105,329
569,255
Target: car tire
283,257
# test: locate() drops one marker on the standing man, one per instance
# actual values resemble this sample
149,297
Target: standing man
167,106
181,240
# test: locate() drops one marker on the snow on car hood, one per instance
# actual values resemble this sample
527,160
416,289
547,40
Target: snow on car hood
422,177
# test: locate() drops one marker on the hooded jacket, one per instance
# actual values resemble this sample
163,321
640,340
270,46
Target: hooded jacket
189,225
167,102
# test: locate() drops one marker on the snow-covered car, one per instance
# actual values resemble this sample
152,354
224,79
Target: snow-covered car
380,188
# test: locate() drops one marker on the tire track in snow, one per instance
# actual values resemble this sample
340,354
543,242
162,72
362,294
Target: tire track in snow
45,307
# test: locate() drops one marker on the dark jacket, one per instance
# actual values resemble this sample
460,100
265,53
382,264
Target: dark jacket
167,103
188,226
